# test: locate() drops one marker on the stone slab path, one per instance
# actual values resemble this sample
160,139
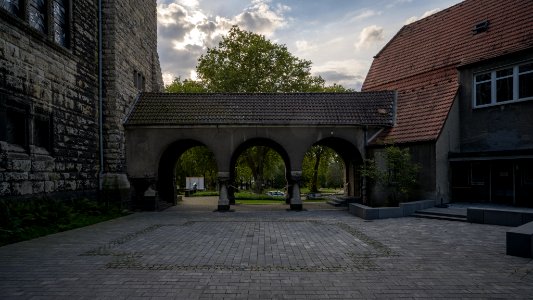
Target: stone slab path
266,252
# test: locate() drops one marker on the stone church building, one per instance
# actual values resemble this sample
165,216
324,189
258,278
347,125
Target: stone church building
70,72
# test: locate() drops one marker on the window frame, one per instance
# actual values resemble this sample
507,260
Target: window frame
493,85
19,11
10,107
22,20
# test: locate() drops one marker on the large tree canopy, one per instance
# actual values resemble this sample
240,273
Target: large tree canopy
246,62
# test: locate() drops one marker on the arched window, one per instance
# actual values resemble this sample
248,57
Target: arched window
37,15
60,17
12,6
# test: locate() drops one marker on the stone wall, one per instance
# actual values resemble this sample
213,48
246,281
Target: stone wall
131,50
58,85
55,90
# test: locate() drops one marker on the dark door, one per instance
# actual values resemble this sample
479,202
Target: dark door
502,182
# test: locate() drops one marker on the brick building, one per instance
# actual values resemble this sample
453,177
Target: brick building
464,78
57,84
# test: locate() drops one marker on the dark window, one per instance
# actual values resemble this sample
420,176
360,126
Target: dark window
480,173
37,15
138,81
483,89
15,132
527,174
60,17
12,6
525,81
504,85
42,133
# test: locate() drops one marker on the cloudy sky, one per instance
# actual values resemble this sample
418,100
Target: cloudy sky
340,37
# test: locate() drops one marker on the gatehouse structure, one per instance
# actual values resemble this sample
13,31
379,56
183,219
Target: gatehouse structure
162,126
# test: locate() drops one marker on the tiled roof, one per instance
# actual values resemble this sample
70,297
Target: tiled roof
422,107
443,42
372,108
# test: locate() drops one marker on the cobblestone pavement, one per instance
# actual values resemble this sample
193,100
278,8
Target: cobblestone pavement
266,252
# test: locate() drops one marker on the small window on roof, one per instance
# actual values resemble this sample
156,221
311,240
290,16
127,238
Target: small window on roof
481,27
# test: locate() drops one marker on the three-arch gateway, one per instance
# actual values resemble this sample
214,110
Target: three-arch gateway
162,126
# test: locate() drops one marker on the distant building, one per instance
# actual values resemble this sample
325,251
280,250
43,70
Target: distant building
50,91
464,78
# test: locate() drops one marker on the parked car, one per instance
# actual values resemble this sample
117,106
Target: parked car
276,193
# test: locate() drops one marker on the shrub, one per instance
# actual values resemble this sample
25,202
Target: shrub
26,219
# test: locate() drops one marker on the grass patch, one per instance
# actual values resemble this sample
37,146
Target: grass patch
28,219
204,194
252,196
260,202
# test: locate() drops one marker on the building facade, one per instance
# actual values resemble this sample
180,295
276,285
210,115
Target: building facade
464,78
55,84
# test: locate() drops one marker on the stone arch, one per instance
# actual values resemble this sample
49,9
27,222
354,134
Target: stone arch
352,158
166,181
258,141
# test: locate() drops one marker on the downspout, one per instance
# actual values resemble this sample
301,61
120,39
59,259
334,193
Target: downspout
100,99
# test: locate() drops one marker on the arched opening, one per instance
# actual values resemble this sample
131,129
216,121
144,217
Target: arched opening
193,159
259,165
333,163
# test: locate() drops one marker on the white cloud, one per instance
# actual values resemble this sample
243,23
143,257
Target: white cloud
349,73
168,78
398,2
185,31
370,35
425,14
261,18
365,14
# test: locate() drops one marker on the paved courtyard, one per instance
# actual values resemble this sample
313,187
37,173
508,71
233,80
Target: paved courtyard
265,252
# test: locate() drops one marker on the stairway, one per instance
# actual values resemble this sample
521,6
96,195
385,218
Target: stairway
449,214
341,201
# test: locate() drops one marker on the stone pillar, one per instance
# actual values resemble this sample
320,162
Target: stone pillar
296,200
140,186
115,187
231,194
223,198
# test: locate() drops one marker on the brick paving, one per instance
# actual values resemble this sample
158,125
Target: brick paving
265,252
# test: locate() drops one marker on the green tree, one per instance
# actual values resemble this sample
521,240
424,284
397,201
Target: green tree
398,175
316,162
185,86
247,62
262,164
197,162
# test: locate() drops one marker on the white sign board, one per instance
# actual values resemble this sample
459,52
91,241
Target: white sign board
190,182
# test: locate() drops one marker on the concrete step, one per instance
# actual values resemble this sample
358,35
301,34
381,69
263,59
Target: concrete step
440,216
337,202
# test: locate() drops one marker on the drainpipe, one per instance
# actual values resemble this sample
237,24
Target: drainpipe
100,99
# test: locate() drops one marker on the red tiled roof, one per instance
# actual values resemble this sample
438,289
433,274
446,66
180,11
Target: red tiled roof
311,109
441,43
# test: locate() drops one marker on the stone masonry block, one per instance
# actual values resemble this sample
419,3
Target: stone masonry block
475,215
15,176
504,218
38,187
49,186
4,188
390,212
519,241
22,188
21,165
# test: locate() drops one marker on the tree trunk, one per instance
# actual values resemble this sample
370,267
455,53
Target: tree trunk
314,179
